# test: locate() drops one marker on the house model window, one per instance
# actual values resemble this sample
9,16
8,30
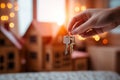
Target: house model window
57,55
33,55
11,65
2,42
47,57
33,39
1,59
1,67
11,55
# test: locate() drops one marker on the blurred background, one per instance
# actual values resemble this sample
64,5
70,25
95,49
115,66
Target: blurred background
31,34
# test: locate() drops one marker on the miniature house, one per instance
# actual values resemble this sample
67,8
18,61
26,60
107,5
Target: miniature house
9,51
105,58
79,60
55,54
36,37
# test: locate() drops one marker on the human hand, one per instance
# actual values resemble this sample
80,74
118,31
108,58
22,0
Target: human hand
94,21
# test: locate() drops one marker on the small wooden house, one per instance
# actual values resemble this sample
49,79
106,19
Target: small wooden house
36,37
105,58
55,58
10,47
79,60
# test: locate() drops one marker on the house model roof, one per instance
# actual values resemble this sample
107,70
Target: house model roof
42,28
11,37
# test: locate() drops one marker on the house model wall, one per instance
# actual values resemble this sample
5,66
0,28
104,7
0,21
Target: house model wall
9,51
35,39
55,54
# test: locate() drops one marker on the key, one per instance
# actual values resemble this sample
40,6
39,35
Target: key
66,41
72,42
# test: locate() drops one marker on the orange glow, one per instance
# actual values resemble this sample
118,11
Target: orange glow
2,5
12,14
9,5
77,9
11,25
60,19
105,41
4,18
96,37
80,38
83,8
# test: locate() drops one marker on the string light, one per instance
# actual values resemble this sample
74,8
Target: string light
83,8
80,38
2,5
4,18
9,5
96,37
12,14
77,9
16,6
11,25
105,41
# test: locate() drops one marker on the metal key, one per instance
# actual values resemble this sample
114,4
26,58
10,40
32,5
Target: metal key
66,41
72,42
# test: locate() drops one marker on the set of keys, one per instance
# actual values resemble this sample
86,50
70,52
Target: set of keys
69,41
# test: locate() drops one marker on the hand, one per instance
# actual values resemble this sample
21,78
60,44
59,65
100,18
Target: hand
94,21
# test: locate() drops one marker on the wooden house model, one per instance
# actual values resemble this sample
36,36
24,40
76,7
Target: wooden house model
79,60
36,37
10,47
55,58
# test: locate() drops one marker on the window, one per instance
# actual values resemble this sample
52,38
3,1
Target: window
1,67
2,42
33,55
56,9
47,57
11,65
33,39
26,12
57,55
1,59
11,55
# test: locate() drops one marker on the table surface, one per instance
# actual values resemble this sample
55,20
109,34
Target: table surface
75,75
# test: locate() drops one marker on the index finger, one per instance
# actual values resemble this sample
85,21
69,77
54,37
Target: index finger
81,18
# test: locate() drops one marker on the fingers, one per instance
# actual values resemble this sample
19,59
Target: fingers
83,27
77,19
95,31
92,32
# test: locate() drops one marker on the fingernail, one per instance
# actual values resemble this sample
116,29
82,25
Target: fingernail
73,32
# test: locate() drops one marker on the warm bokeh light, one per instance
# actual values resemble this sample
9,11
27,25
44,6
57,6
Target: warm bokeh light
11,25
80,38
16,6
9,5
4,18
60,20
2,5
105,41
83,8
12,14
77,9
96,37
53,12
